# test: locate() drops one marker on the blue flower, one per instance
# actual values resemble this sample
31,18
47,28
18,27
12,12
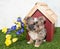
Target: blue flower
22,30
18,19
22,25
13,27
8,31
18,32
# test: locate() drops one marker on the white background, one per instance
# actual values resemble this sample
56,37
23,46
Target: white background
11,9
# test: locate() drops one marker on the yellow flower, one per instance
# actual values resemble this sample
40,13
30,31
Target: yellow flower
4,30
14,39
8,36
8,42
18,25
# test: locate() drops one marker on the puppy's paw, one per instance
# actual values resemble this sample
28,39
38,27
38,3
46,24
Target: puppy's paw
44,40
28,43
36,45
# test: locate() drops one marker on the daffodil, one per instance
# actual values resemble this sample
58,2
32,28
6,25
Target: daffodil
4,30
14,40
18,25
8,36
8,42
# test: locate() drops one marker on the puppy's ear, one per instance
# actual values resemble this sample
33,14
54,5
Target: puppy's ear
42,19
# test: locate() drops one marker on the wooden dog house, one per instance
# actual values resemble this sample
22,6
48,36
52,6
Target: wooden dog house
42,9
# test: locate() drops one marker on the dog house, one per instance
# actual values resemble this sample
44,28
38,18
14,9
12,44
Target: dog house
42,9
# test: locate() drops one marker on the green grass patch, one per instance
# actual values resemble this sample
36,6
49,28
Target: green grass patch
22,42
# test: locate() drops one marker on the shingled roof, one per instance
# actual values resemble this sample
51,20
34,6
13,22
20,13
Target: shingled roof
43,8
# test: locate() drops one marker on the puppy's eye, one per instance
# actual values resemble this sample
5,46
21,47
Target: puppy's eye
36,22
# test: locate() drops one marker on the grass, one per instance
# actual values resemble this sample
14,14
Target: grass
21,44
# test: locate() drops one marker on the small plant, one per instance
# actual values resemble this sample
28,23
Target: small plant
13,33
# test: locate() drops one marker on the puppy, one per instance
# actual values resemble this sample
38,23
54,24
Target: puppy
36,30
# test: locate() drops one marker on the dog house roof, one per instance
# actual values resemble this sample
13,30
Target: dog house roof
43,8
